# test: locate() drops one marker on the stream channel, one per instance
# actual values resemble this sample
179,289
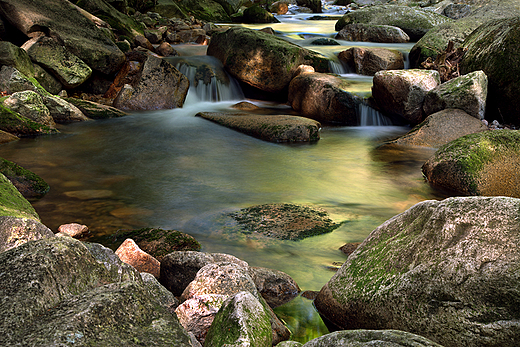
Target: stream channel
171,170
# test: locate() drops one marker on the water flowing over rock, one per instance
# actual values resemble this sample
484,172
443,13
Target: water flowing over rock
401,92
413,21
485,163
453,262
367,338
323,97
262,60
372,33
17,231
62,19
495,49
273,128
466,92
368,61
438,129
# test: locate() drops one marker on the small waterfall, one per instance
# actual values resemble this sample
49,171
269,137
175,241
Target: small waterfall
337,67
371,117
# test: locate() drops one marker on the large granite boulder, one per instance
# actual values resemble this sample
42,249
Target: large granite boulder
30,105
276,287
16,124
466,92
414,21
323,97
495,49
62,19
368,61
372,33
438,129
58,292
369,338
242,320
485,163
159,85
12,55
401,93
447,270
262,60
63,111
17,231
273,128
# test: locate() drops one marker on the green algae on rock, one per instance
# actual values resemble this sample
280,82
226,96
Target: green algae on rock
29,184
284,221
12,203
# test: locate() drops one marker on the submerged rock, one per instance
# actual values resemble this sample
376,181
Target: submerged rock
453,262
485,163
284,221
273,128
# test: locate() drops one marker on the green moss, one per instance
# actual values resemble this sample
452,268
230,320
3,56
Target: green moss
15,123
15,172
12,203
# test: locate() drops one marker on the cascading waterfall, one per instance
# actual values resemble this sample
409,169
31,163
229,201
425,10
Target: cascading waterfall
370,117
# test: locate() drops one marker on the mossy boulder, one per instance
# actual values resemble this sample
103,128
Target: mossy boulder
257,14
273,128
368,61
262,60
206,10
414,21
367,338
314,5
16,57
12,203
372,33
18,125
284,221
484,163
95,110
495,49
29,184
447,270
30,105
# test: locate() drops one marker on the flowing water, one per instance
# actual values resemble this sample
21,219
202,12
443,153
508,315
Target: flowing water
172,170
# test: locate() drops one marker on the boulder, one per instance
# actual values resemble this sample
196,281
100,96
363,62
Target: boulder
159,242
143,42
456,11
478,164
17,231
262,60
273,128
466,92
12,55
75,230
438,129
12,122
284,221
367,338
12,203
368,61
401,92
279,7
446,270
314,5
47,80
80,36
63,111
372,33
495,49
163,295
30,105
276,287
6,137
242,320
70,70
94,110
165,49
323,97
130,253
159,86
29,184
414,21
12,81
206,10
257,14
179,268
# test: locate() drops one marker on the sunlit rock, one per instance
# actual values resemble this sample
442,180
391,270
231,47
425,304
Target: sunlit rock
17,231
130,253
372,33
368,61
74,230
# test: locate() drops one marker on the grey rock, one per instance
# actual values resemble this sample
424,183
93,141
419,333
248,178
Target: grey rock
372,33
30,105
17,231
12,55
368,61
276,287
366,338
62,111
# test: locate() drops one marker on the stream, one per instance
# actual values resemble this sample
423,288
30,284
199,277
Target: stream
171,170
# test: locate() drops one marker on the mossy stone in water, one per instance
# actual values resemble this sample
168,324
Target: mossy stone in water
12,203
284,221
27,182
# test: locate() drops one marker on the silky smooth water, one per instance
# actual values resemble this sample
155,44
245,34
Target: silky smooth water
172,170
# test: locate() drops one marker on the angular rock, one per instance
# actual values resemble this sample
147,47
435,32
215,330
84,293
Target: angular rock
12,55
117,270
160,86
276,287
484,163
273,128
165,50
94,110
130,253
6,137
46,80
372,33
261,60
206,10
466,92
366,338
322,97
12,81
440,128
161,294
243,321
16,124
401,92
70,70
490,47
453,261
368,61
74,230
79,35
63,111
413,21
30,105
17,231
12,203
141,41
29,184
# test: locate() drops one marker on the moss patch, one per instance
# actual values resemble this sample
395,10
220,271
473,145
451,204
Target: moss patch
12,203
27,182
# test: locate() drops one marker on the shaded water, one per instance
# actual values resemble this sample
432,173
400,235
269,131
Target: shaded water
172,170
